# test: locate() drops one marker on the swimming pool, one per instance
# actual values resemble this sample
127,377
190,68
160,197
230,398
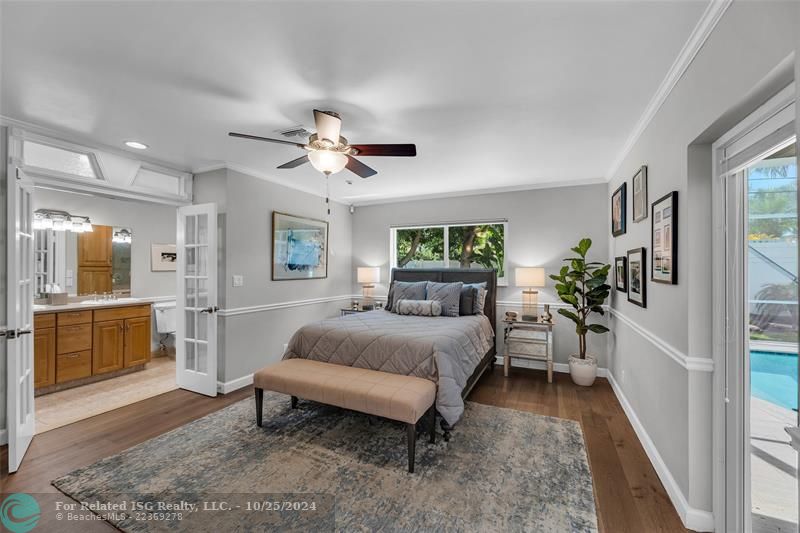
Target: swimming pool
773,377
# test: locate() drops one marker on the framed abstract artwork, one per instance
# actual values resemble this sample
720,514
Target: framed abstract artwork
163,258
637,276
621,273
664,268
299,247
639,185
619,209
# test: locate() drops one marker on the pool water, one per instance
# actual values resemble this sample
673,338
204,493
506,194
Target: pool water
773,378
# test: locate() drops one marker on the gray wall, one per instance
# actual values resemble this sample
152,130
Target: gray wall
250,341
543,224
725,82
150,224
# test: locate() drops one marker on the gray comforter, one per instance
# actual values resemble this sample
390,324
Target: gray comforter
445,350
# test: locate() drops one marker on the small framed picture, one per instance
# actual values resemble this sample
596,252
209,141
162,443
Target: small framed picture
640,194
621,273
637,276
619,210
665,239
163,258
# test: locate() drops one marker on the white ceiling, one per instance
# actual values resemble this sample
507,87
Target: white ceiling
496,95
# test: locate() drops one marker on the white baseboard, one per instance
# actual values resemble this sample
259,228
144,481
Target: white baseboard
562,368
3,437
695,519
236,384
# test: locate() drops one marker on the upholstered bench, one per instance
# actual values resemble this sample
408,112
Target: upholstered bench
401,398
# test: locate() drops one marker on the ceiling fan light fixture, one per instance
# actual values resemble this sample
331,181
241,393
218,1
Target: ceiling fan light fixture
326,161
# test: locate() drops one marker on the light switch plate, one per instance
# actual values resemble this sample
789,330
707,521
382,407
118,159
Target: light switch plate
238,281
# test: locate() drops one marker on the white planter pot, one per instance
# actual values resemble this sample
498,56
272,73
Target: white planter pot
583,371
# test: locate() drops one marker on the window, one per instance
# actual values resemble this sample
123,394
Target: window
473,245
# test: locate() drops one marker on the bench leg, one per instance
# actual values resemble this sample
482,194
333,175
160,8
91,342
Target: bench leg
294,402
259,405
432,428
411,435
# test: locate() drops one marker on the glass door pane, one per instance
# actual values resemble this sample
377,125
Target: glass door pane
772,282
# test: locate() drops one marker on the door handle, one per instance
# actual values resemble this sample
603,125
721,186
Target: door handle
14,333
209,310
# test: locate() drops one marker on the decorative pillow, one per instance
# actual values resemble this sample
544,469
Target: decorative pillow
449,294
480,297
418,307
466,303
405,290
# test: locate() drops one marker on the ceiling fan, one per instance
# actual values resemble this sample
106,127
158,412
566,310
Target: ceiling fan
330,153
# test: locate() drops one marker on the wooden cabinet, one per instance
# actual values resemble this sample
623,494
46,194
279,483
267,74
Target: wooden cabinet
71,345
44,357
137,341
94,247
107,349
94,280
95,261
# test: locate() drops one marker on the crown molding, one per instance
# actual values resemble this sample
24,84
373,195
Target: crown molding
708,21
353,200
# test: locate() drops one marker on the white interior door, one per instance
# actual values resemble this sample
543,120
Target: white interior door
19,338
196,346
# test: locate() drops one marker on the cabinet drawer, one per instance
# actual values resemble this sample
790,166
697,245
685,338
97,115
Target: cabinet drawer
44,321
121,313
527,348
75,338
73,365
528,334
68,318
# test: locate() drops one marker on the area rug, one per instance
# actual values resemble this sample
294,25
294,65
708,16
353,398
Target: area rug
502,470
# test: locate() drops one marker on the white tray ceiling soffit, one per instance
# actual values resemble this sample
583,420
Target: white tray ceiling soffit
65,165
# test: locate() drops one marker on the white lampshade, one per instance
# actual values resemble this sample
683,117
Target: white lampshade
327,161
529,276
369,274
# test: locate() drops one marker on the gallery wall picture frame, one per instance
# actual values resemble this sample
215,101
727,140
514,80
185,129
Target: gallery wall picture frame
619,210
299,247
639,186
163,258
621,273
664,239
637,276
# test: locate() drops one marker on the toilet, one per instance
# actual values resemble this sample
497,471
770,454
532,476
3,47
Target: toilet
165,322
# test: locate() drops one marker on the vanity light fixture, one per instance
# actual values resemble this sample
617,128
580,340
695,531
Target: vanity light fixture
136,144
122,235
61,221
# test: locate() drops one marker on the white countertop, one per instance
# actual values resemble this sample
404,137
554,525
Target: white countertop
87,305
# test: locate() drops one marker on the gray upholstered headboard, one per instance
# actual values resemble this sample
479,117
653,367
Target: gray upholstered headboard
447,275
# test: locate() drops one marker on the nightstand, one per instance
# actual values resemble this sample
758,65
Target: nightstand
528,340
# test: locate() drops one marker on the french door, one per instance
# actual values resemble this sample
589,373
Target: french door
196,337
18,335
756,287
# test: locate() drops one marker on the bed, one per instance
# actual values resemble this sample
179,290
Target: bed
451,351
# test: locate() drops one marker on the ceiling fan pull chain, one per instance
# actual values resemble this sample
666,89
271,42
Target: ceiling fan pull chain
328,194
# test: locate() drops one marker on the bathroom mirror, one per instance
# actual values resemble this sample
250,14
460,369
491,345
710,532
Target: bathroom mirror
83,263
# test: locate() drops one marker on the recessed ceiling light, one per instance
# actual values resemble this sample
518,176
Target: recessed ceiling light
136,144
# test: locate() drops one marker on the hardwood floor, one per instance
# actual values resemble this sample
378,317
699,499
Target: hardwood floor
629,495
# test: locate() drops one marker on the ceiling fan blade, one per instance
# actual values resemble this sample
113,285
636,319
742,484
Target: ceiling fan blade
295,162
393,150
257,138
328,125
357,167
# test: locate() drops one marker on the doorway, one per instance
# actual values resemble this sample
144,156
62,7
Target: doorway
757,335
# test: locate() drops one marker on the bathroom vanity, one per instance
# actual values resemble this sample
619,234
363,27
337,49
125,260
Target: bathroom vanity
83,342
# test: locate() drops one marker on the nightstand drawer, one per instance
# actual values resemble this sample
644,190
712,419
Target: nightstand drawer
527,348
527,334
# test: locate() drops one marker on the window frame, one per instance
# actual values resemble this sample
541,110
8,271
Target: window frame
501,282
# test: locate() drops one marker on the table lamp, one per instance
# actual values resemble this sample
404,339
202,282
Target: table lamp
368,277
530,277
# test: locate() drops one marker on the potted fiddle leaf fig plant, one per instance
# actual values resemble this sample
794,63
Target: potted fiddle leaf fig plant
583,285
